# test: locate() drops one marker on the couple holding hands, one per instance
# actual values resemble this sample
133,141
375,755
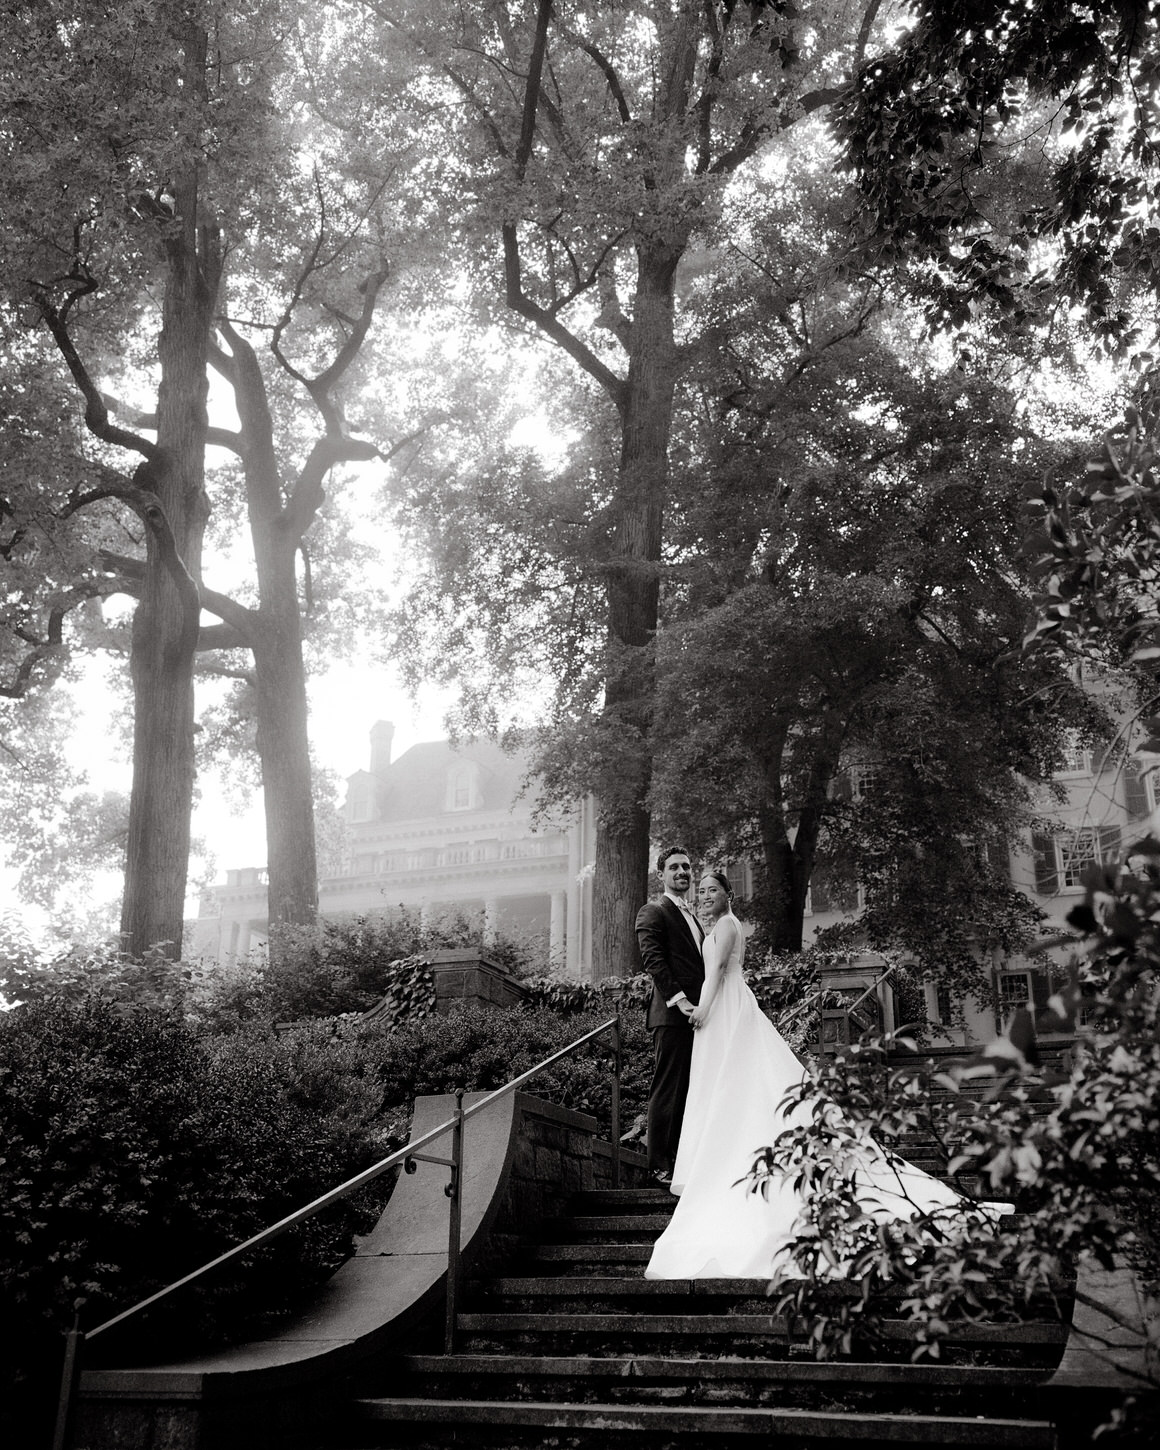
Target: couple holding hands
721,1071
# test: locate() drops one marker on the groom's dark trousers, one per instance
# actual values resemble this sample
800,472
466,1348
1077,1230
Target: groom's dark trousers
671,954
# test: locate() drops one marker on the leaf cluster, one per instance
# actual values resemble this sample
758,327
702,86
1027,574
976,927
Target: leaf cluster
135,1152
1006,153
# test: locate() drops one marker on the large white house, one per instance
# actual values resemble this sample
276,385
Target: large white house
448,829
442,830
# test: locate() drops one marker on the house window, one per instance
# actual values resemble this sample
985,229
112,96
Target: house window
1014,991
1061,860
1077,850
1139,791
461,788
1077,759
863,780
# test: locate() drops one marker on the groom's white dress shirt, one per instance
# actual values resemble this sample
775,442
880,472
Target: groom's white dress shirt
693,925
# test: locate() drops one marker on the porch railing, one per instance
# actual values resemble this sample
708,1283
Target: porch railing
409,1157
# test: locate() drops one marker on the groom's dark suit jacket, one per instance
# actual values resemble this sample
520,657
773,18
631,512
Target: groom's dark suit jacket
671,957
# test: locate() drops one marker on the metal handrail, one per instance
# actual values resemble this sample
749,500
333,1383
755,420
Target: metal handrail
873,987
407,1155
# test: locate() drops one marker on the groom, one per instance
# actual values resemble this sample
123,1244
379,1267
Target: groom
670,939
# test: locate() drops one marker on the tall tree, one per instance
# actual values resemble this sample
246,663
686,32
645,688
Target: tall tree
844,648
149,144
85,62
597,144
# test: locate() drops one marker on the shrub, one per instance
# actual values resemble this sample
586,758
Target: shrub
483,1048
152,980
340,966
133,1152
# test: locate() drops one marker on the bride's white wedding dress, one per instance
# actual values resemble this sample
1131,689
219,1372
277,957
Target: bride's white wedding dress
741,1070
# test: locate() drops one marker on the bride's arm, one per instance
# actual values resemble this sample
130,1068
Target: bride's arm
717,950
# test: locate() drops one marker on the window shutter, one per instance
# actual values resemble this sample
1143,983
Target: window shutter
1046,871
1135,791
819,895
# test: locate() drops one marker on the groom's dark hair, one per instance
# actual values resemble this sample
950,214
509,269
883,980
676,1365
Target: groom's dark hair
667,852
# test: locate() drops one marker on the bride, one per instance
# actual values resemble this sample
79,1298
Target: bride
742,1068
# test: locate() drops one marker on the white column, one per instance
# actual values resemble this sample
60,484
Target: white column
490,919
572,932
556,940
930,996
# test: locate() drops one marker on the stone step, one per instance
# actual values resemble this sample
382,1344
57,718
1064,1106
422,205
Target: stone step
631,1285
747,1326
842,1372
581,1255
613,1286
601,1420
589,1225
640,1200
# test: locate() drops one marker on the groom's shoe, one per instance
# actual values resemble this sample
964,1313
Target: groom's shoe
663,1177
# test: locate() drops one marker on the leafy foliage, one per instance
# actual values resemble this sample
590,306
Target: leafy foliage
1075,1151
1099,556
478,1049
1006,155
134,1152
337,967
845,612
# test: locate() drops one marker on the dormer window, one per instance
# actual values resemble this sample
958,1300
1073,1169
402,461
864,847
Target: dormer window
462,788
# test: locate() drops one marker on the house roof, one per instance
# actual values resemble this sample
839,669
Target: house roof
415,785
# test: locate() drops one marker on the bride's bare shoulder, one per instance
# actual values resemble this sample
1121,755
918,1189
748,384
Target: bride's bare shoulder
728,928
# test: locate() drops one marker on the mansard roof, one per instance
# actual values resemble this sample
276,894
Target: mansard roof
415,785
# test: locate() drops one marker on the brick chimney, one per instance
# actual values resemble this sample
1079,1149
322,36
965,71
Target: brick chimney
382,734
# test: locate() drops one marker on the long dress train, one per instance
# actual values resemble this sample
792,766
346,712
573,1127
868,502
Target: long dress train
742,1068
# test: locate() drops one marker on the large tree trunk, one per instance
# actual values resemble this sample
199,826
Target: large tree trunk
164,636
285,757
782,903
621,880
790,864
274,633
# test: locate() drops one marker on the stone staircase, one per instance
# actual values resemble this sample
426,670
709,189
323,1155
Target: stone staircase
568,1345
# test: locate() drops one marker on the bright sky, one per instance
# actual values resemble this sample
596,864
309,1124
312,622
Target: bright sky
344,704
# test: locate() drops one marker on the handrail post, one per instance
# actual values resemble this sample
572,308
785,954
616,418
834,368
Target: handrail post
69,1378
616,1065
454,1225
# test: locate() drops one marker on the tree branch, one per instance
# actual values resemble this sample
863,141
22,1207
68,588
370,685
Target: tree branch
53,639
221,637
147,506
96,413
523,305
370,288
616,90
864,33
532,88
50,645
242,620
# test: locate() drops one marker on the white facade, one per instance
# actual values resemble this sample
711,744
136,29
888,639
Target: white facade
444,831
